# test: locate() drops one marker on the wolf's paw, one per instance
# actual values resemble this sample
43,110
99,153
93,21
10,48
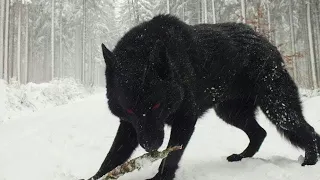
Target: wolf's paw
235,157
311,157
310,160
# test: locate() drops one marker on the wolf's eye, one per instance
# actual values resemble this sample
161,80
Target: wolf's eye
129,111
156,106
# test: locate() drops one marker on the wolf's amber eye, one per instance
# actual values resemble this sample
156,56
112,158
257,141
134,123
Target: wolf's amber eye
130,111
156,106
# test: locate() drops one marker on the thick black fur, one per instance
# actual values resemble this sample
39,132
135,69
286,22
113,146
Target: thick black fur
164,71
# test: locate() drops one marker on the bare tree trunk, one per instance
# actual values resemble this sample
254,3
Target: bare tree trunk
205,11
11,48
60,70
46,65
91,62
316,15
243,10
98,74
213,11
183,9
269,21
6,42
130,10
52,39
168,6
136,8
19,44
319,27
293,48
202,11
199,12
2,9
83,42
27,45
311,46
78,55
134,11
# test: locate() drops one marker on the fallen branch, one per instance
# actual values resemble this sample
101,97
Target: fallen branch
138,163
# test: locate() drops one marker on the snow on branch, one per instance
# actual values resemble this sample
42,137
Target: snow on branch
138,163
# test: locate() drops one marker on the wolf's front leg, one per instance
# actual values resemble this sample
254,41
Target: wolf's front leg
123,145
181,132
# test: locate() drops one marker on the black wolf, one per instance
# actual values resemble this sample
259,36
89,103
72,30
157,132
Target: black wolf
164,71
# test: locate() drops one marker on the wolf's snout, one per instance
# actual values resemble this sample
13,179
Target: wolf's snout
151,141
151,146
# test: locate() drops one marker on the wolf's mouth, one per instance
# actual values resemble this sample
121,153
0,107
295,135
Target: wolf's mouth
151,145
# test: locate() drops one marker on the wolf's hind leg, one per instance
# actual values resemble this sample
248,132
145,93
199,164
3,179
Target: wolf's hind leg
279,100
241,114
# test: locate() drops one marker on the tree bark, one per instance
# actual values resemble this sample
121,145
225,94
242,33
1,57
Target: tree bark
52,39
138,163
205,11
60,70
12,47
78,59
311,47
183,9
269,21
6,42
213,11
293,48
83,42
243,10
19,44
26,45
199,12
2,9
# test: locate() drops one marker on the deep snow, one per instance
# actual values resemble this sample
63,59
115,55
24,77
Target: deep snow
22,99
70,141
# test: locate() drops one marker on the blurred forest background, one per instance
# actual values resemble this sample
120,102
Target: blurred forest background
41,40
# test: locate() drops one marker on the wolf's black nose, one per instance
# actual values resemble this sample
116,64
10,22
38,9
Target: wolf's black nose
149,147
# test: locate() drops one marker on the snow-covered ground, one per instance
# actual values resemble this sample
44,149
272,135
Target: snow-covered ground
70,141
17,100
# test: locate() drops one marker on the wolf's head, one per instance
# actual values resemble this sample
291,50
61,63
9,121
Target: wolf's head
142,90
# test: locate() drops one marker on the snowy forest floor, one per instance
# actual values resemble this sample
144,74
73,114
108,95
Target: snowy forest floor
70,141
18,100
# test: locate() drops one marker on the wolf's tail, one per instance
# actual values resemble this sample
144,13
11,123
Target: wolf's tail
278,98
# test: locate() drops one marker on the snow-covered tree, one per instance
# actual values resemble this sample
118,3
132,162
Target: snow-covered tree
41,40
2,10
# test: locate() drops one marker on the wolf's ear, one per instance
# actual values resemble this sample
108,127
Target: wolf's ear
108,56
160,61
